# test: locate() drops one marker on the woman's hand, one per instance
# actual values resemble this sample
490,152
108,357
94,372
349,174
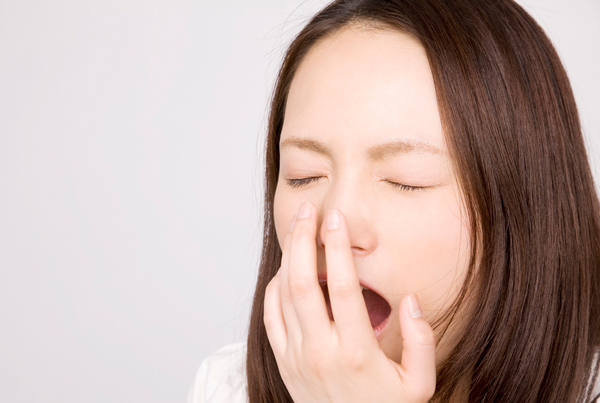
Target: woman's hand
339,361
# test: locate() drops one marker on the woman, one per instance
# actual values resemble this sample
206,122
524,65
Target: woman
432,231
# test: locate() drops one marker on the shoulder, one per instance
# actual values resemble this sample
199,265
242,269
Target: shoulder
221,377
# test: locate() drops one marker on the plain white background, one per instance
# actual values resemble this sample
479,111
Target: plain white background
131,136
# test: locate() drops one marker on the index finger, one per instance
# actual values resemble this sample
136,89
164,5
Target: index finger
345,293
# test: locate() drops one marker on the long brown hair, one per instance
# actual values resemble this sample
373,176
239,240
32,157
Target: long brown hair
514,136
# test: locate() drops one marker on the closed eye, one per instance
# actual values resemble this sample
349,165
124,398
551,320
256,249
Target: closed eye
406,187
295,183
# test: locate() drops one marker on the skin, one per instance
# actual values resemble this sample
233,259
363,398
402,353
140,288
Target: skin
355,90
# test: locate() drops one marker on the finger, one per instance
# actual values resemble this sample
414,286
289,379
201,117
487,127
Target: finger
273,317
345,295
307,296
292,325
418,348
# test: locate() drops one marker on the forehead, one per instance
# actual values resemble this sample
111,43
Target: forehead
362,87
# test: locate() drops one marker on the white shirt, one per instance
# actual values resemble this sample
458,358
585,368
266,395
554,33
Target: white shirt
221,378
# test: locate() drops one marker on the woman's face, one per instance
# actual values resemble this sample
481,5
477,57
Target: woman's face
362,116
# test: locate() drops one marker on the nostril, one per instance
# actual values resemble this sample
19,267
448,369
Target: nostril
320,242
359,251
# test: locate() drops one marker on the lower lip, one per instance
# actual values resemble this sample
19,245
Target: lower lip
378,330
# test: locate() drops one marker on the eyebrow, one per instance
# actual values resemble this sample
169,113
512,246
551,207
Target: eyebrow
375,153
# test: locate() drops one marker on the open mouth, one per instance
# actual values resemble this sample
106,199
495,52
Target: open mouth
378,308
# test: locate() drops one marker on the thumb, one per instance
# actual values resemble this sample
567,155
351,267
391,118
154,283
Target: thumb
418,349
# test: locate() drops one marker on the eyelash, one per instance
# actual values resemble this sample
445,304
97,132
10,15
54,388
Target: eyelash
296,183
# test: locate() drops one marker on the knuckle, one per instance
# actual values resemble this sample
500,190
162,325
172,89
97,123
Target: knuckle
315,360
341,290
356,358
301,231
301,287
424,338
334,243
285,295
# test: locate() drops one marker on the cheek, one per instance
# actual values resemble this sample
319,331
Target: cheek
429,244
434,239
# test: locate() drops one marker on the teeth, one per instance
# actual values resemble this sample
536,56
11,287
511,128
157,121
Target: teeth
362,288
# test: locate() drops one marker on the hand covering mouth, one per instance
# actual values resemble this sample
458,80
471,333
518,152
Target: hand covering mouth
377,307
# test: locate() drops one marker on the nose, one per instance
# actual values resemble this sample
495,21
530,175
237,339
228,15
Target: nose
358,208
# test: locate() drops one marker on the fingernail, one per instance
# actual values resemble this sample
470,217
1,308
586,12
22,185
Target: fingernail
414,308
305,210
293,222
333,220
